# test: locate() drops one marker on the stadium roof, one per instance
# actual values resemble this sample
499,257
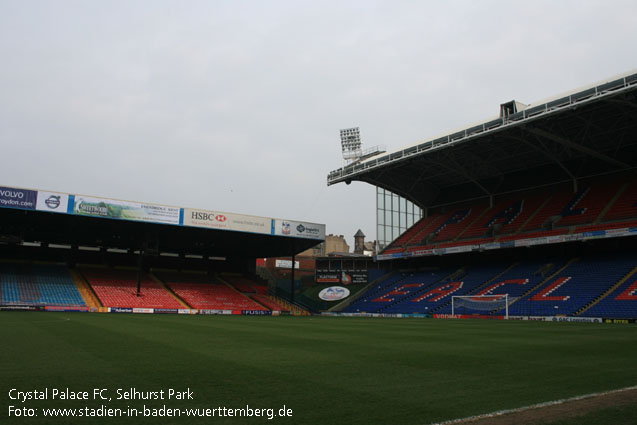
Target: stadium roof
76,220
588,132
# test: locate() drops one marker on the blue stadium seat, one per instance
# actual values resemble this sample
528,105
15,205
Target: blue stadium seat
38,285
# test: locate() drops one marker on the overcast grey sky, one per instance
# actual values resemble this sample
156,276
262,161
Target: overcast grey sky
236,106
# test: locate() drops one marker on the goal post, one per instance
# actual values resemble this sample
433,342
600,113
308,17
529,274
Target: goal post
481,303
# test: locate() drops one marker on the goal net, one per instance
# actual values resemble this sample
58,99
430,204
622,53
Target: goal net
468,304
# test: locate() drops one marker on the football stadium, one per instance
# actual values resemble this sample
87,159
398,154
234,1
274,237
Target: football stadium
511,298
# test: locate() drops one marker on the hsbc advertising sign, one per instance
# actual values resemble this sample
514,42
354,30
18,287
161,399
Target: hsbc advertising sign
227,221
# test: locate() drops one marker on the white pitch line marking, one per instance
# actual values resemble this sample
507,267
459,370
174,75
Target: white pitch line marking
533,406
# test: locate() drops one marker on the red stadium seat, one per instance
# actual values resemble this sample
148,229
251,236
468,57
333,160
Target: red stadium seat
118,288
213,296
625,207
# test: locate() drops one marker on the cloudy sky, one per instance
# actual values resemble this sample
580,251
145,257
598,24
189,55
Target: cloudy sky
236,106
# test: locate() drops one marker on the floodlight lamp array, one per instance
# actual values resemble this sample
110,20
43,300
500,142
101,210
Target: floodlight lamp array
350,139
351,144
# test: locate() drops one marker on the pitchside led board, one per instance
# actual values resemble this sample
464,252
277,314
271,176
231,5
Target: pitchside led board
28,199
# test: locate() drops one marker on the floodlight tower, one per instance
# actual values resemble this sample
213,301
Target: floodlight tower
352,147
351,144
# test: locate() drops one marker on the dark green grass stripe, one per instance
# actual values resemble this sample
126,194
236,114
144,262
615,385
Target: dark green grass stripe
329,370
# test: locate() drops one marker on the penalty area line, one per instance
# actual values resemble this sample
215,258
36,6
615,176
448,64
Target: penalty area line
533,406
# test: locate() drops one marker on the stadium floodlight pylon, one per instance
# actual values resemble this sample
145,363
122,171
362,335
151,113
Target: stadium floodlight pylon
352,147
351,144
482,303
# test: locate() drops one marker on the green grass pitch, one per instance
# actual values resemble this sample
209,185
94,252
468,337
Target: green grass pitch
327,370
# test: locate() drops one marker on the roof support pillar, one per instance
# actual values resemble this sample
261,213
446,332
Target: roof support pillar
140,265
292,278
